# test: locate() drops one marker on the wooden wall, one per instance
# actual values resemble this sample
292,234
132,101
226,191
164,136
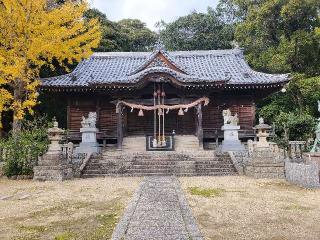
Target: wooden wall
78,108
243,105
108,118
81,106
212,115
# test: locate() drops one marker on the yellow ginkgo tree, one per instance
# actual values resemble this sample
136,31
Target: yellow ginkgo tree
34,33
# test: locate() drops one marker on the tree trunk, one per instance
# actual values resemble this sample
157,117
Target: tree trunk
17,97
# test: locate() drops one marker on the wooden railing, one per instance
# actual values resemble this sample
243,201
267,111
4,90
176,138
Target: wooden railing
103,134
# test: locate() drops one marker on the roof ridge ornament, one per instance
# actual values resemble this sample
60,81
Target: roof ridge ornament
154,60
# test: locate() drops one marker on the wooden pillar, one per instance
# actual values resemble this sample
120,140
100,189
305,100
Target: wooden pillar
98,108
119,128
199,125
68,112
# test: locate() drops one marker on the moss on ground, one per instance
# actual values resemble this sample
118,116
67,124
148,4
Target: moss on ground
296,207
91,227
206,192
66,236
108,223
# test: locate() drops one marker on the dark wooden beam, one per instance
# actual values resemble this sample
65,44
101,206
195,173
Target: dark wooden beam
98,108
119,127
68,112
149,102
199,125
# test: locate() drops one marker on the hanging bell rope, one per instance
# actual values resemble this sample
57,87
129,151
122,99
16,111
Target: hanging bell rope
203,100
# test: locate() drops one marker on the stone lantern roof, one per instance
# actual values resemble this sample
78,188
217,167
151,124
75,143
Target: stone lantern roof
262,125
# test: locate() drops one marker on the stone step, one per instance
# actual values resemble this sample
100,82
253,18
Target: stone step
162,166
158,174
135,163
161,170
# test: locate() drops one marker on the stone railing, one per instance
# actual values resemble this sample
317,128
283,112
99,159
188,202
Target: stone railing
78,160
68,151
296,149
239,160
85,162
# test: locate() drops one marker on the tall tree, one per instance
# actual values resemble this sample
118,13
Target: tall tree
126,35
281,36
111,37
198,31
32,35
136,36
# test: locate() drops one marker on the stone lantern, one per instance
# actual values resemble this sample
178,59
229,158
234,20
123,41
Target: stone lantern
264,163
262,131
55,136
53,165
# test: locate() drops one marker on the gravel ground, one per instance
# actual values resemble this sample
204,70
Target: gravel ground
245,208
78,209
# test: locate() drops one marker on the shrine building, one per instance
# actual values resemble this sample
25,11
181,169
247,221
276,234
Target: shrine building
162,94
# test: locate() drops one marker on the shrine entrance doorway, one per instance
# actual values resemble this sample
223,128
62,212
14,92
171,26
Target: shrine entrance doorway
144,125
160,118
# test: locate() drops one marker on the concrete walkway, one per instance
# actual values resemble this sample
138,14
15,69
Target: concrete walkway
158,211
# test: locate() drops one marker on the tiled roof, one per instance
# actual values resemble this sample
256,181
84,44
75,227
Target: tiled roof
195,67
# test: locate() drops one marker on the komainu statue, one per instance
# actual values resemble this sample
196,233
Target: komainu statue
228,119
89,122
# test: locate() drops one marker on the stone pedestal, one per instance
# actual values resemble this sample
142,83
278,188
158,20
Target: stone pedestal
265,164
231,140
89,142
53,166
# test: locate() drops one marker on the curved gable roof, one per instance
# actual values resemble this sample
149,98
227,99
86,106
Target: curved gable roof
186,66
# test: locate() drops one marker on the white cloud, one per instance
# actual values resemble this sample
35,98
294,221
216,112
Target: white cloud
150,11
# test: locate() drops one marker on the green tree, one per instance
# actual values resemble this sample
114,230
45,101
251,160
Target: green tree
282,36
294,112
198,31
111,37
235,11
125,35
136,36
301,97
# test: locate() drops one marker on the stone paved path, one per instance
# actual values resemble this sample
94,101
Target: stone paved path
158,211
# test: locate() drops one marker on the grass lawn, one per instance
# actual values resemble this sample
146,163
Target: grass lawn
244,208
78,209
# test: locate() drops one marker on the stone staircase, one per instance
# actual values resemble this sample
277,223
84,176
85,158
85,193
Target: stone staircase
186,143
134,144
190,163
182,143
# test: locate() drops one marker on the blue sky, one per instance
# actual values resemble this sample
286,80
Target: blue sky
150,11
